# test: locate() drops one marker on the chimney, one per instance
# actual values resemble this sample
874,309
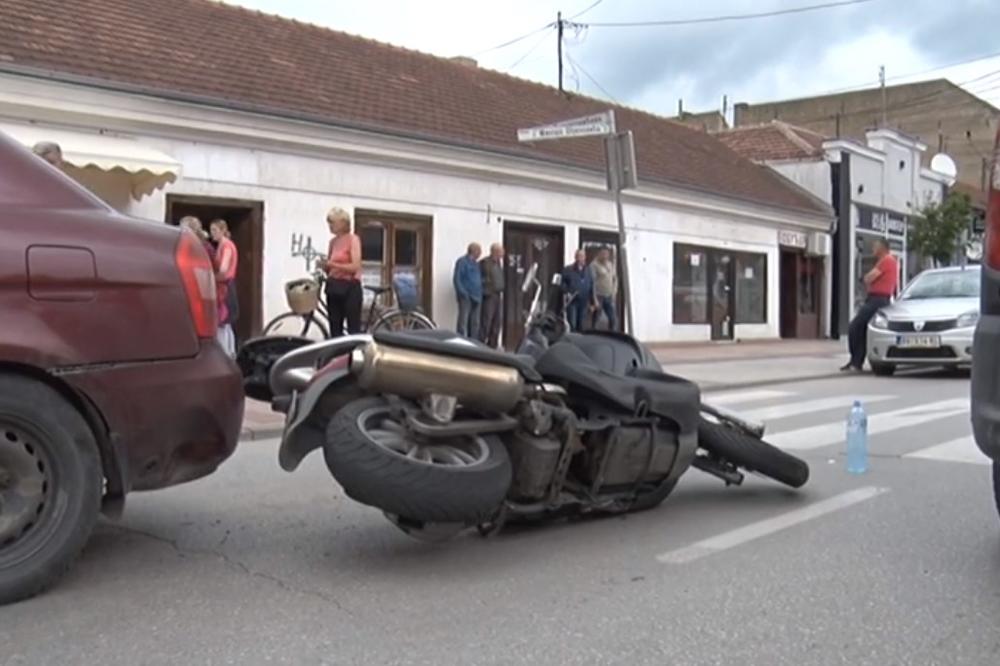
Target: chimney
739,109
465,60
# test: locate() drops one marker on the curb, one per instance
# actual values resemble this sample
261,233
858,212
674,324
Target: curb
273,432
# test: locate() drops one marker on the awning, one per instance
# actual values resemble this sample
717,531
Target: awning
148,169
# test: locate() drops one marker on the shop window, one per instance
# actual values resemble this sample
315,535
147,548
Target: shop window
690,285
751,288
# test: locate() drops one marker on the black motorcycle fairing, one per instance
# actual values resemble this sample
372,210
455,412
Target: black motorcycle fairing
661,394
448,343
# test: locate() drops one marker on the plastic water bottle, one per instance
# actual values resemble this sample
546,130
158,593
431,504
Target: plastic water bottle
857,439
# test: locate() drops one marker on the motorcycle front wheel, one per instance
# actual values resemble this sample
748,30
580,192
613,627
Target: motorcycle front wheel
380,463
751,453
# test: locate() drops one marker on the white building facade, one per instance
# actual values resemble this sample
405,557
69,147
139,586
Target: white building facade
702,266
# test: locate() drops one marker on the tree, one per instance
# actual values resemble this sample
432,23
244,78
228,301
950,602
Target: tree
938,231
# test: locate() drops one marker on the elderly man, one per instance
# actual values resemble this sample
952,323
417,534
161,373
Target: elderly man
578,287
50,152
468,281
493,286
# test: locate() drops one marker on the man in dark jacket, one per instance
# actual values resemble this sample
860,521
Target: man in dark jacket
493,285
578,285
468,281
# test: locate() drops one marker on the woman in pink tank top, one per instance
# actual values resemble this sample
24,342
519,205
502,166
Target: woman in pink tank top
343,269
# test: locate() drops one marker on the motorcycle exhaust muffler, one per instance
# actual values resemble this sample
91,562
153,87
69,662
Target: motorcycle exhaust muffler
413,374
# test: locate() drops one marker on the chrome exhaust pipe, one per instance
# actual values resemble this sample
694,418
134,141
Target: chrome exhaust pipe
412,374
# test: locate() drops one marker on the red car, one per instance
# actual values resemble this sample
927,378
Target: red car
110,376
986,347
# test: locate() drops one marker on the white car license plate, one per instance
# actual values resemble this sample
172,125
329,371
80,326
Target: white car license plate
918,341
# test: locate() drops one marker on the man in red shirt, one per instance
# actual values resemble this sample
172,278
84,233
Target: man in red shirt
881,282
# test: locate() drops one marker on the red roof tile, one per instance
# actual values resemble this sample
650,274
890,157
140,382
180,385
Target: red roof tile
774,141
224,54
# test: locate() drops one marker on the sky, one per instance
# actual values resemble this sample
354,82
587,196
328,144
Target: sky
653,67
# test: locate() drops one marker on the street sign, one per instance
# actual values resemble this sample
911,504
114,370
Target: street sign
620,153
600,124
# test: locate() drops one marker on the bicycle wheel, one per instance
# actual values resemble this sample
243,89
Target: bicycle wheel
397,320
308,326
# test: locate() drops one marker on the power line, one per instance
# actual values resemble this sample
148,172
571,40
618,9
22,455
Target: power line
579,14
908,75
530,51
513,41
577,65
731,17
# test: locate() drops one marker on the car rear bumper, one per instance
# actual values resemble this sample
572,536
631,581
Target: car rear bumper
955,348
986,387
173,421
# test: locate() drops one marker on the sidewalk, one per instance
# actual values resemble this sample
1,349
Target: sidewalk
713,366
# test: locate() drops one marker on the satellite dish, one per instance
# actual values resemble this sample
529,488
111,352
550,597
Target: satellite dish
944,165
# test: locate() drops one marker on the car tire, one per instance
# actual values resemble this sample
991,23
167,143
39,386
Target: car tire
50,492
883,369
996,484
361,458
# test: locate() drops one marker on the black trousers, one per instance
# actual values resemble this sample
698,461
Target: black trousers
492,317
857,332
343,302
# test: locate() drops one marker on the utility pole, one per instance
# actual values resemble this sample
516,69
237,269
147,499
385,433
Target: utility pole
881,79
559,40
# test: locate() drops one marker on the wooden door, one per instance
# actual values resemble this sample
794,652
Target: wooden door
721,272
789,294
246,226
393,244
525,245
809,282
591,241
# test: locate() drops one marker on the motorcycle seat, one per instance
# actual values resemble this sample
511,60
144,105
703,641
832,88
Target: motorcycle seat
448,343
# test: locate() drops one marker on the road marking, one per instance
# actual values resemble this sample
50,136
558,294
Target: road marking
833,432
736,397
786,410
753,531
963,450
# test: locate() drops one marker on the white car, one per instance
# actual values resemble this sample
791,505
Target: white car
931,323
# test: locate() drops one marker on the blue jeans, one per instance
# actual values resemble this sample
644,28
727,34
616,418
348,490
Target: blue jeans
607,306
468,317
576,312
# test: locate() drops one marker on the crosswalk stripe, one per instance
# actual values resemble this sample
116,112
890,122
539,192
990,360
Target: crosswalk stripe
785,410
813,437
962,450
739,397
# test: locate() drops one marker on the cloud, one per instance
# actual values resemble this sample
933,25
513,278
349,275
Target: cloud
784,56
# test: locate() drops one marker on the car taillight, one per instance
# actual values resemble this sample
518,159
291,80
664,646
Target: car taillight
992,253
198,277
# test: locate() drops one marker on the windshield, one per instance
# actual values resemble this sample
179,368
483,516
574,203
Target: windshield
948,284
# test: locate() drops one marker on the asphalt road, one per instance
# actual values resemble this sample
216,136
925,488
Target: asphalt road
253,565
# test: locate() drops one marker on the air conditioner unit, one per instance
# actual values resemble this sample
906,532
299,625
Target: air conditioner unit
819,245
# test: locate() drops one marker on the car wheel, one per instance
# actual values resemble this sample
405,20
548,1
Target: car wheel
50,486
996,484
883,369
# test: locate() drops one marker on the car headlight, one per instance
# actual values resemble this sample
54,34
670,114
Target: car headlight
969,319
880,321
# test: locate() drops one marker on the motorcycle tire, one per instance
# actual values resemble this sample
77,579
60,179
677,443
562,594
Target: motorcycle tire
752,454
364,452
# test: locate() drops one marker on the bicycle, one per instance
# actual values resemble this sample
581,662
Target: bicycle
309,316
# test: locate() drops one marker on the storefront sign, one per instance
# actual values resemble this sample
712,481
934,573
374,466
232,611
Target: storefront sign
881,221
792,238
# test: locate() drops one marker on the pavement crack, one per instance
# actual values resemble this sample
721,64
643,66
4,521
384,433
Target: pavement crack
236,565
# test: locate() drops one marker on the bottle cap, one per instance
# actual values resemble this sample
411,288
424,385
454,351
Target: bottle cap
857,403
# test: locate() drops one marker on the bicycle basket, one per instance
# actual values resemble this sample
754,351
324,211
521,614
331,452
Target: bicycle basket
302,295
405,288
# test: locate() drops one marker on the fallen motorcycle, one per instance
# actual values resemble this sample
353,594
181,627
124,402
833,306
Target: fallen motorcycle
443,434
